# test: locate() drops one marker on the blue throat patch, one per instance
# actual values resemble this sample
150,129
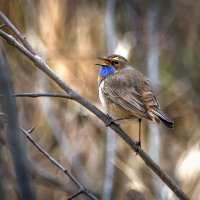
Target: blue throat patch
106,71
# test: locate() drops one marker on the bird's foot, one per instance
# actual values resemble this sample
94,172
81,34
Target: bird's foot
138,143
111,121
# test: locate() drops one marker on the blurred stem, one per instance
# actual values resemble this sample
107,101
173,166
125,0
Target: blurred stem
153,73
110,164
110,25
110,136
15,144
2,193
43,177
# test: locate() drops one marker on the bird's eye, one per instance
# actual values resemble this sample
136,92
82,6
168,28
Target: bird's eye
116,62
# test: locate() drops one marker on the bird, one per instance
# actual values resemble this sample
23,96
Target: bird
127,94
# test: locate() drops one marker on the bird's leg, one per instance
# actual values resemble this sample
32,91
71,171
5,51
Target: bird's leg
139,141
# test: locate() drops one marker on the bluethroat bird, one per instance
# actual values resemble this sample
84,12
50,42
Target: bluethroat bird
127,94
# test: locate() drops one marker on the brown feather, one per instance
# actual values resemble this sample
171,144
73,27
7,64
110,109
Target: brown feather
125,89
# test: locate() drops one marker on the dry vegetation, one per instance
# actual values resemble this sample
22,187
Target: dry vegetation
69,35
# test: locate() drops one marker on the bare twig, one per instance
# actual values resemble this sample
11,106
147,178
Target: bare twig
82,189
2,26
40,63
35,95
31,130
58,165
16,32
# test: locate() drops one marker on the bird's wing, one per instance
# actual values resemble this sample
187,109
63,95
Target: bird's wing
131,90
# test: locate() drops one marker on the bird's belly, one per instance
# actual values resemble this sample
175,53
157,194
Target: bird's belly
119,112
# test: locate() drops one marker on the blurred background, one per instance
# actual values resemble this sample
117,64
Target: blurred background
159,38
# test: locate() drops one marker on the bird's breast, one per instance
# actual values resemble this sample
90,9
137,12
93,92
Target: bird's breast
101,94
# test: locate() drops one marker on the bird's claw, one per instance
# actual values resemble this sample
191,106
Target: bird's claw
138,143
111,121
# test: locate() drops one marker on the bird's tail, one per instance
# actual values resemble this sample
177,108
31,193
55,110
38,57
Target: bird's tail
163,117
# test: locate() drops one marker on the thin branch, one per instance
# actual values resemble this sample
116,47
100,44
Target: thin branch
2,26
35,95
40,63
16,32
58,165
82,189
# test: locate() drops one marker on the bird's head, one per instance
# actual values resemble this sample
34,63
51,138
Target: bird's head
111,64
116,61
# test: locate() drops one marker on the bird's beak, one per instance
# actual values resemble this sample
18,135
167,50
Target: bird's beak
106,62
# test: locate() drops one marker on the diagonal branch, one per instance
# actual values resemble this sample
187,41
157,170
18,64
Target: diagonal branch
35,95
82,189
40,63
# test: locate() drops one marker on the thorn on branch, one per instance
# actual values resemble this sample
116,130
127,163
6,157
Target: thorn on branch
137,149
31,130
3,25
